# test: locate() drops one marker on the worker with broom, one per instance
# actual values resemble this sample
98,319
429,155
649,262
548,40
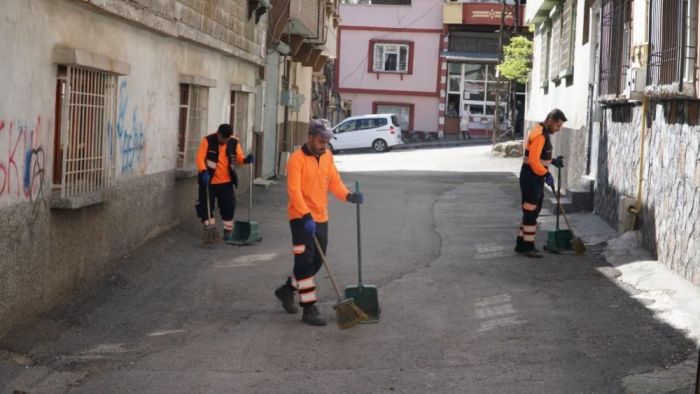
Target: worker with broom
217,155
311,174
534,173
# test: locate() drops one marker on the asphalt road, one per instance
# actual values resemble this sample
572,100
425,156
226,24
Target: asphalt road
461,312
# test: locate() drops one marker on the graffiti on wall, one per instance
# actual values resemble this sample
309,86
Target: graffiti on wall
22,171
130,128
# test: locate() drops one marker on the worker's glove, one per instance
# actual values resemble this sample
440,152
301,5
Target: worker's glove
250,159
558,162
309,225
204,177
355,198
549,179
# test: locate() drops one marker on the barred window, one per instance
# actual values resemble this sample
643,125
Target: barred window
672,39
239,116
192,124
86,102
616,22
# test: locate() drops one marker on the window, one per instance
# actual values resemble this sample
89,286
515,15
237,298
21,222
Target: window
482,45
672,39
568,27
403,113
350,125
613,62
192,122
545,43
238,116
391,57
86,102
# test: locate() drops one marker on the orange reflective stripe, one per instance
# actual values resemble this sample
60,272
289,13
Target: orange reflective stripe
294,282
298,249
529,237
529,207
228,224
307,283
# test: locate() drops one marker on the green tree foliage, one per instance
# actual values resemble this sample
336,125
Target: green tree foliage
517,60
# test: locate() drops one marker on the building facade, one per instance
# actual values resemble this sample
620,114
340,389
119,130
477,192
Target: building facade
103,106
469,59
634,131
388,60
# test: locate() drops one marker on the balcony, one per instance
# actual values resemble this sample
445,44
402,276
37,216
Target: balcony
485,13
538,10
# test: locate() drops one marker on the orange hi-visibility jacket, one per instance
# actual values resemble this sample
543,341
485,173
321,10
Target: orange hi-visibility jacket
222,168
538,150
309,179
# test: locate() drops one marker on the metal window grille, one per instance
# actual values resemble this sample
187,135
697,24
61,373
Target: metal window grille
192,123
614,46
88,113
672,41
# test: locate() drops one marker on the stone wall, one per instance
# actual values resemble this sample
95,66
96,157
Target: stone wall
670,188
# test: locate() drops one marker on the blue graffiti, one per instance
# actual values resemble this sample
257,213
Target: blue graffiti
131,136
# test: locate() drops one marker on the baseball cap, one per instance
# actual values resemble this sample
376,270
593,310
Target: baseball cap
317,127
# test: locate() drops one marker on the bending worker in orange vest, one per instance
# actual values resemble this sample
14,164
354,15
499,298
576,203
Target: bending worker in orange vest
311,173
533,175
216,157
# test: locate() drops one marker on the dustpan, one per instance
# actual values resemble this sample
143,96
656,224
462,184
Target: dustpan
366,296
246,233
559,240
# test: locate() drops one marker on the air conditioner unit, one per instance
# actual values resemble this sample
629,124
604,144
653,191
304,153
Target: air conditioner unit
635,83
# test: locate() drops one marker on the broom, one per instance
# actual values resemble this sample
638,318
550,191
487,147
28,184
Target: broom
576,242
347,312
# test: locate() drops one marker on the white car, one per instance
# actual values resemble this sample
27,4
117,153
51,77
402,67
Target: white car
380,132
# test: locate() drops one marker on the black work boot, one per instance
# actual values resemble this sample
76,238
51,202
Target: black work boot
520,246
286,294
312,316
533,253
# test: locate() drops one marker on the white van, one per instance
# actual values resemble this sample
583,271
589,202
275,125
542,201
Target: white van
380,132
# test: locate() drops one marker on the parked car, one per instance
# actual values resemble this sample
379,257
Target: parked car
379,132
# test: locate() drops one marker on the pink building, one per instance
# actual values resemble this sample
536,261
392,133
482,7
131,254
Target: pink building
389,60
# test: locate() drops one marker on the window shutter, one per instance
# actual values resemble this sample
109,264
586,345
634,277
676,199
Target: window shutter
555,47
566,36
545,36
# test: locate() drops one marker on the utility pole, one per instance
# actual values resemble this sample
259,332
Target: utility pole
504,89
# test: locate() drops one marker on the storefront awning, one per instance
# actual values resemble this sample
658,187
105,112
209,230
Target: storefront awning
470,57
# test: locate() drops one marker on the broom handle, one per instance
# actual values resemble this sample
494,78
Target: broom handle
328,268
250,195
359,243
563,213
558,193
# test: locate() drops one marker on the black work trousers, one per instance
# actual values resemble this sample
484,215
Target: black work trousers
224,195
307,260
532,193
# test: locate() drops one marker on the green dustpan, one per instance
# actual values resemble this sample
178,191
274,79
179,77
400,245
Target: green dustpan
366,297
559,240
246,233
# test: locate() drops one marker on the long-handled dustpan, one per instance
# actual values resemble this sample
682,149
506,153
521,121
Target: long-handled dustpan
366,296
246,233
558,240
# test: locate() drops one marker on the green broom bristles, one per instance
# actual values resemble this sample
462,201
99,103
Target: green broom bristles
348,313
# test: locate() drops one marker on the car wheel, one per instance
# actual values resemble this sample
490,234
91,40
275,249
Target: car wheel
380,145
330,148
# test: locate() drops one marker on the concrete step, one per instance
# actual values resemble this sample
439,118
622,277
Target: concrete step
572,201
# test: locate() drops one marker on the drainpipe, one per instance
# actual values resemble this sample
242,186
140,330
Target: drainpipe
643,133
